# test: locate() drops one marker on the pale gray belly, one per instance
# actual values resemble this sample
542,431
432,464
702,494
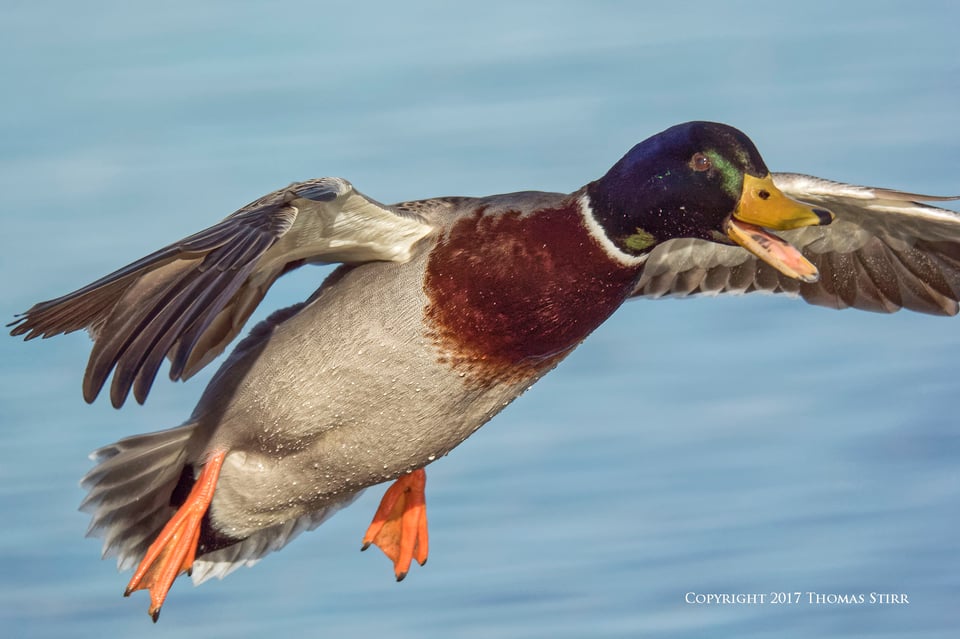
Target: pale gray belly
346,394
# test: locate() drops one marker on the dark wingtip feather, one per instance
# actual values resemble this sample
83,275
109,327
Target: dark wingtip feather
17,325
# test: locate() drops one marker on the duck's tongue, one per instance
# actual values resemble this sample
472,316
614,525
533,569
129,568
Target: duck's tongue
772,250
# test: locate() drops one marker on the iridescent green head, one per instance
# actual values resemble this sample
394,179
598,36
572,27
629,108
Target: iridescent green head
696,180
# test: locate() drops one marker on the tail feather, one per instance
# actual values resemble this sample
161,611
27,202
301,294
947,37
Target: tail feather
133,456
130,489
129,493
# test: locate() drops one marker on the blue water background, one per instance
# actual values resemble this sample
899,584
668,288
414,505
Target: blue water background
741,445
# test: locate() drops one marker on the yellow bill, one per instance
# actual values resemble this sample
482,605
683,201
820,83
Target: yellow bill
763,206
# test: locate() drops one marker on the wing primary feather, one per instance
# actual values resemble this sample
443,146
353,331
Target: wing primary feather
88,304
157,324
870,295
844,282
147,371
130,314
142,356
920,296
230,255
71,312
926,270
127,355
203,320
216,287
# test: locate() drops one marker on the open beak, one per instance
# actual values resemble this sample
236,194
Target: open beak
763,206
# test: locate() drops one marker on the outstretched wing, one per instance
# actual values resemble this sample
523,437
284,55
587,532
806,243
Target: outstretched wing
188,300
884,251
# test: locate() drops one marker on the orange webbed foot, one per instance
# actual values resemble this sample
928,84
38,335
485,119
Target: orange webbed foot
175,548
399,527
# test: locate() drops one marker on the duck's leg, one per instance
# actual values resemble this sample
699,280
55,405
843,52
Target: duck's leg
174,549
399,527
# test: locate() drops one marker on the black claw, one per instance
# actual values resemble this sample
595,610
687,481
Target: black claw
422,563
401,576
365,546
155,615
126,593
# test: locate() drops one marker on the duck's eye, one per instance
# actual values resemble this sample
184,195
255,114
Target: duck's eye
700,162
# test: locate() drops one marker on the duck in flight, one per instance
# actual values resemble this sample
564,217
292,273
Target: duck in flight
442,312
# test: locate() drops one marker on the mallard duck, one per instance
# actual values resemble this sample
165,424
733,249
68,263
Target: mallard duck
443,311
